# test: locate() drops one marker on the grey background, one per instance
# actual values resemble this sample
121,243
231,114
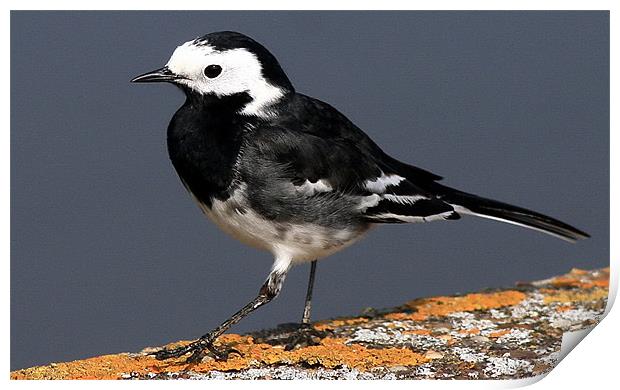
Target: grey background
109,253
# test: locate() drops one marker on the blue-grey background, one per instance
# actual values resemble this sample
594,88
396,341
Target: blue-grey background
109,253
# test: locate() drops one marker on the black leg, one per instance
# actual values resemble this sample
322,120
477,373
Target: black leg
306,335
305,319
270,289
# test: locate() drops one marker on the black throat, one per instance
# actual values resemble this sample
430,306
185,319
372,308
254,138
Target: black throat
204,140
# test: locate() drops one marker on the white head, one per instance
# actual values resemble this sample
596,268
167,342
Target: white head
225,64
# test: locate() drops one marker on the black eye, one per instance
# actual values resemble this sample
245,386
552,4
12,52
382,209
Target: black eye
213,71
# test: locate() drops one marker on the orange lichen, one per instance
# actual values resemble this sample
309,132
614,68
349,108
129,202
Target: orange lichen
564,308
568,296
441,306
102,367
499,333
583,279
570,282
334,353
423,332
405,316
338,323
470,331
331,353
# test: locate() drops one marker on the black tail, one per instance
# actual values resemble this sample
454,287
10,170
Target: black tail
465,203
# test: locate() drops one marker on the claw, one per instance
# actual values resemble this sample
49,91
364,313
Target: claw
305,336
196,356
164,354
197,349
224,354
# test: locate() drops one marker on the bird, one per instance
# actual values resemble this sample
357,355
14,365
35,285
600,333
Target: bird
290,174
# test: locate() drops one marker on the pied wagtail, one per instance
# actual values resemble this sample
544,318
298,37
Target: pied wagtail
288,173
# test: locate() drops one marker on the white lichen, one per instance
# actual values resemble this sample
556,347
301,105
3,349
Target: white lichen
572,319
498,314
469,355
500,366
425,370
363,335
516,336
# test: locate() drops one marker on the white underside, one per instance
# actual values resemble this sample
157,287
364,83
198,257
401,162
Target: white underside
289,243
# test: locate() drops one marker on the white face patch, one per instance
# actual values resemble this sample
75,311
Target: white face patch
241,72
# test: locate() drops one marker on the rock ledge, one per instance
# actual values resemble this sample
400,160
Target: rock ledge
496,334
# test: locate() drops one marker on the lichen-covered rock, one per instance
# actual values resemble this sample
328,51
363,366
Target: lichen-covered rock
496,334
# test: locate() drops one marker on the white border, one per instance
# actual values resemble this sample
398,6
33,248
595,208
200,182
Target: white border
592,364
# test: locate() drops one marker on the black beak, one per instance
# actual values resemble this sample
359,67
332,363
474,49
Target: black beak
157,76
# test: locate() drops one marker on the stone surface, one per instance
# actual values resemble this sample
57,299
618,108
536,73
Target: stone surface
495,334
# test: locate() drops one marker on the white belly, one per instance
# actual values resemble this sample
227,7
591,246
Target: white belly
298,242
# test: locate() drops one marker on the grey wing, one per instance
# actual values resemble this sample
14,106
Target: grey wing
302,177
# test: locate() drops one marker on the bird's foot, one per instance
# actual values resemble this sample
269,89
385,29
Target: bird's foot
198,349
305,336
